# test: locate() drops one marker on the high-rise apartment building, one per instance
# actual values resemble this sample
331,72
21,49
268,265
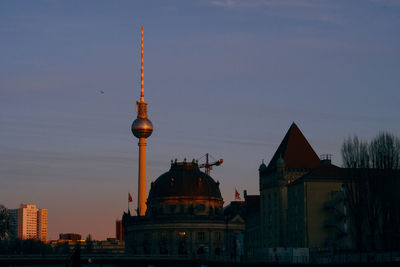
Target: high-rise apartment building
32,222
13,223
42,224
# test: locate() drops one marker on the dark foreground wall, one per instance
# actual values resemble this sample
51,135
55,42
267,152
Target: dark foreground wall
124,261
99,261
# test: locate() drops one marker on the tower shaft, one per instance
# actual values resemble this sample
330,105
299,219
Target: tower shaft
142,177
142,128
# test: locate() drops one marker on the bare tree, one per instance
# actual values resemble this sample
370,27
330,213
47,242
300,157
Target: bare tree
4,218
355,153
384,152
355,156
385,184
373,187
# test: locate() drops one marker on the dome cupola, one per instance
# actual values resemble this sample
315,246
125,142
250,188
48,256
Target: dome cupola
184,189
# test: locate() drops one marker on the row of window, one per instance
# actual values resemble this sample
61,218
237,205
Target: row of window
185,208
201,236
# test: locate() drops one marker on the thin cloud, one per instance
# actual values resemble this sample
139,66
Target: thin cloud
242,142
235,4
289,9
386,2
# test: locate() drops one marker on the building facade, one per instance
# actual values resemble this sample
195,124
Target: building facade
32,222
42,224
185,216
317,214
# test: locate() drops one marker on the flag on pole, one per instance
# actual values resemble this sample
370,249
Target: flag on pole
129,197
237,195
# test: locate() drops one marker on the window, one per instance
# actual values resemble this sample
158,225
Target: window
172,208
201,236
163,236
217,236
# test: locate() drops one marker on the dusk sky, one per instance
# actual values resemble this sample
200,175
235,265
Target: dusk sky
221,77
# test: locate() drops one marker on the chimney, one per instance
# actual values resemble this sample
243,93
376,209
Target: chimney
326,159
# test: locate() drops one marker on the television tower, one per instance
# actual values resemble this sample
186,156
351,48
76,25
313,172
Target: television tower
142,128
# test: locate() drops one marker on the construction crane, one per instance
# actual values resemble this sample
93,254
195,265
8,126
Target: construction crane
208,165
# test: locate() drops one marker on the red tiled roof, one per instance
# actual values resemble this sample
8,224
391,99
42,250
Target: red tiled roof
295,151
324,172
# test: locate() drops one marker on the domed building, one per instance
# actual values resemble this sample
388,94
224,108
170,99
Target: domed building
185,216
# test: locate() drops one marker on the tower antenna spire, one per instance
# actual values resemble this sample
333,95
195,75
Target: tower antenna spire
142,74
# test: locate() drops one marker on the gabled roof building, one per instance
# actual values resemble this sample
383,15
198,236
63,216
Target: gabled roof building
293,158
302,198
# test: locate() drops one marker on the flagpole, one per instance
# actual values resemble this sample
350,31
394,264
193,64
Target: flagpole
128,202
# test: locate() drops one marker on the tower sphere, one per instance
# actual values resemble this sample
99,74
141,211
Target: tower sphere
142,128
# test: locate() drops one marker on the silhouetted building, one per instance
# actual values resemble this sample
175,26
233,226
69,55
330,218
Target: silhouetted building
234,209
70,236
69,242
252,241
119,230
185,216
13,223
